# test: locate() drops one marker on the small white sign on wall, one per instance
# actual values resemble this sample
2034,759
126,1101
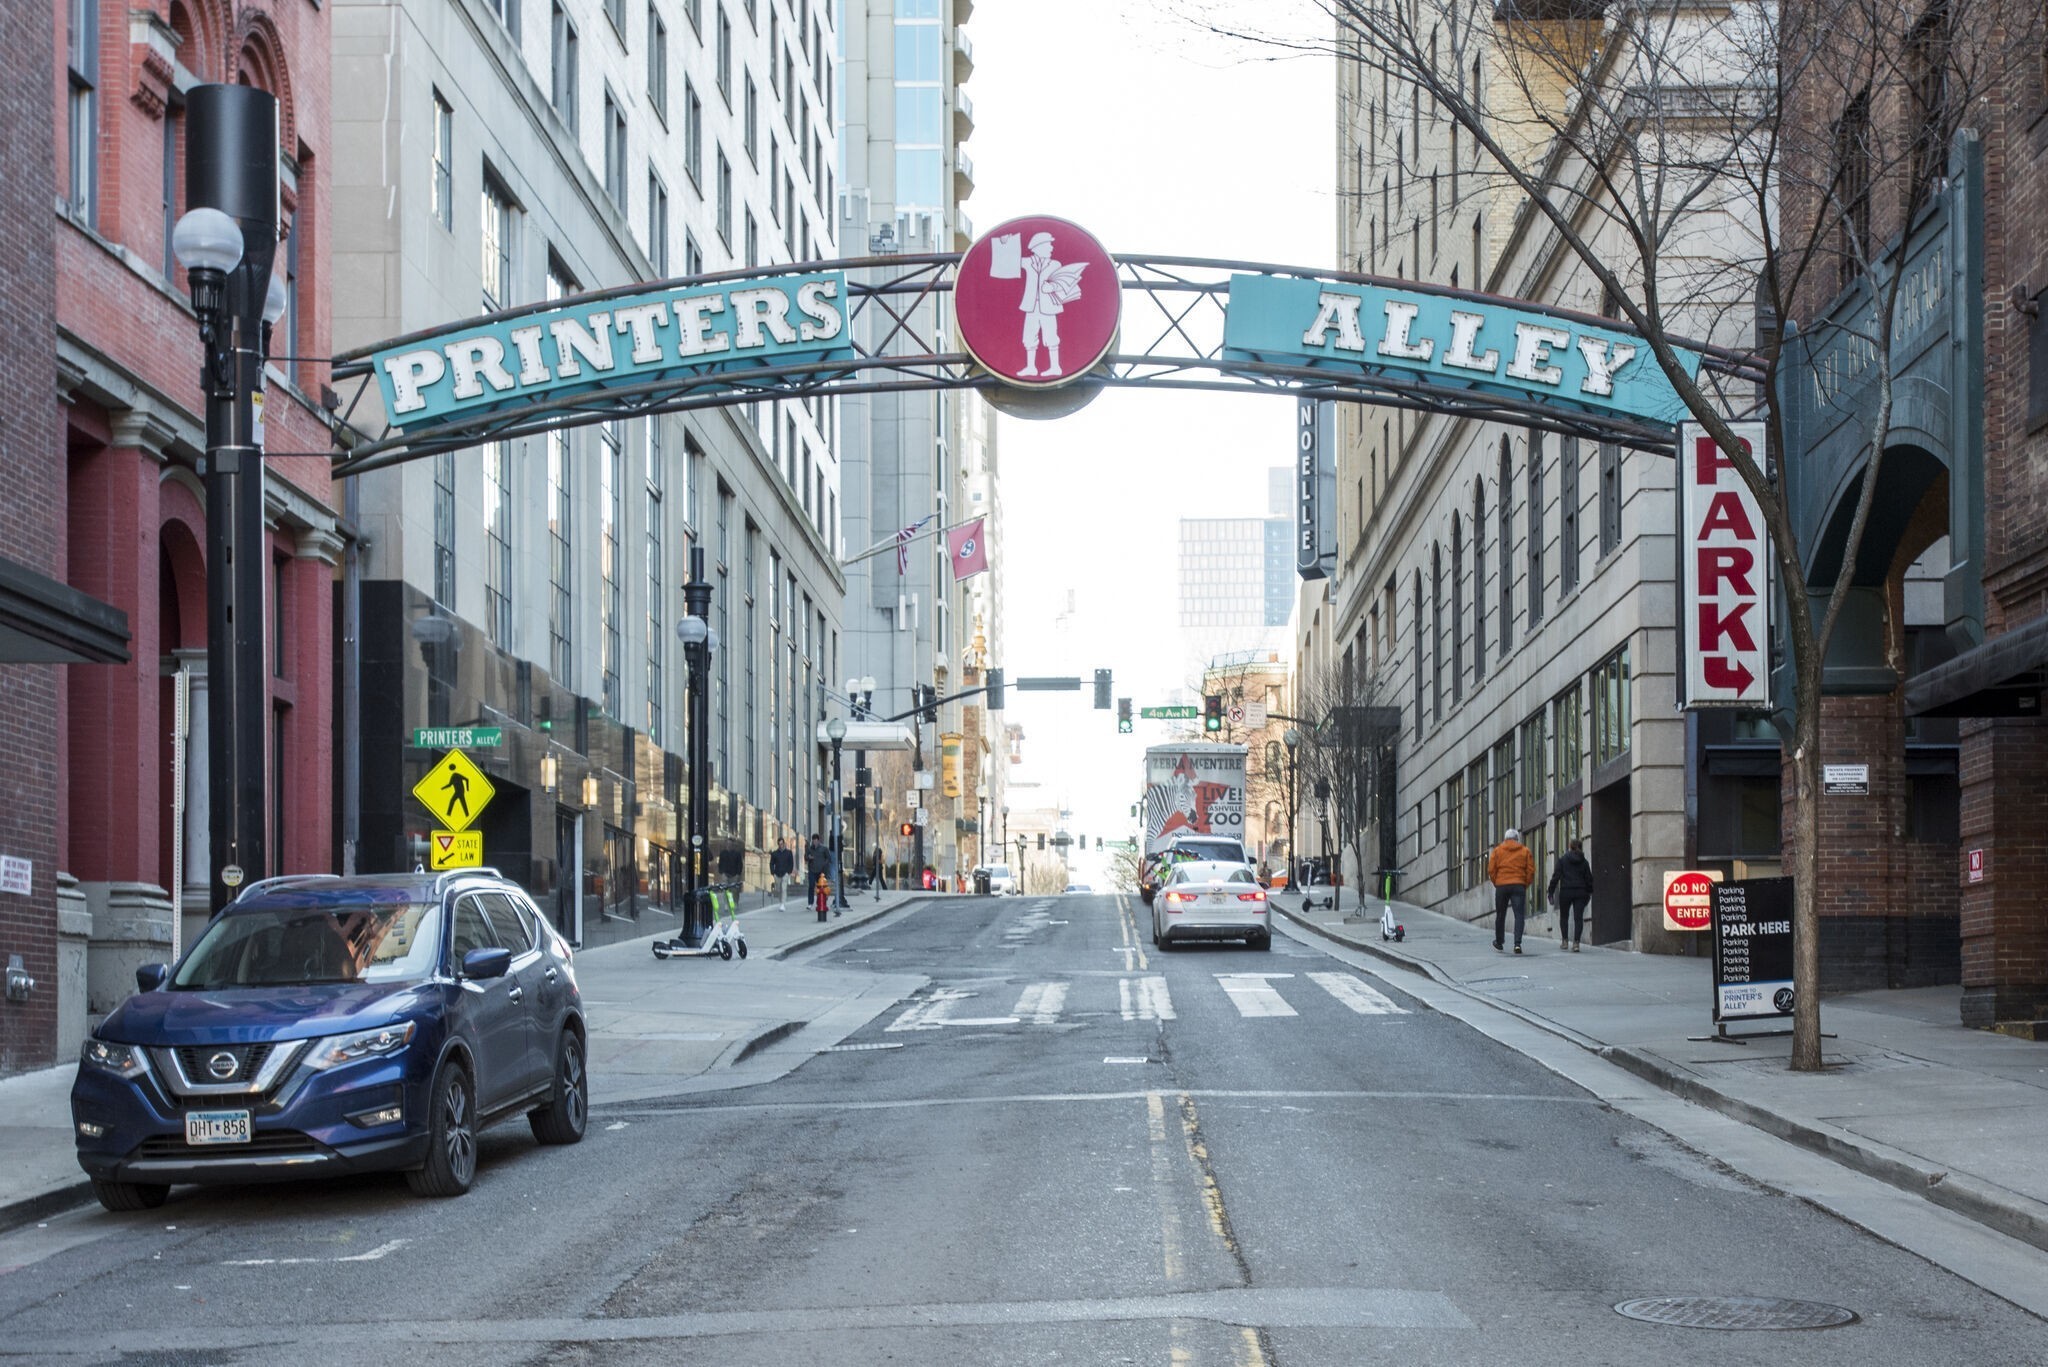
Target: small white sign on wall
17,875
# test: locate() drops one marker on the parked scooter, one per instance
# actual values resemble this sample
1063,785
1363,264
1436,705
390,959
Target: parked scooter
722,939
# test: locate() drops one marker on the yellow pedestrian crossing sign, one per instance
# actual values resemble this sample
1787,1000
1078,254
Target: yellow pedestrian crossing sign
455,791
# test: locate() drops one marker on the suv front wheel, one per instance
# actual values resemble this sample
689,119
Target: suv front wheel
451,1136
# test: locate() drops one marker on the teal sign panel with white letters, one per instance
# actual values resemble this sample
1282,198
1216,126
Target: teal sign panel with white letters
595,343
1450,340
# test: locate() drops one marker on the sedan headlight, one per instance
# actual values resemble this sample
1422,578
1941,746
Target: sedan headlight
336,1050
122,1060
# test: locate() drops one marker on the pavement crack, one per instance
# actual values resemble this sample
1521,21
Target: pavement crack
1212,1191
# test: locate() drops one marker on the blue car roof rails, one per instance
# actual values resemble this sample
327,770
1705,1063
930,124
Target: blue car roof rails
279,881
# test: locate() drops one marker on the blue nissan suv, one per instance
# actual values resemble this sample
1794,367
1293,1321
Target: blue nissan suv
326,1025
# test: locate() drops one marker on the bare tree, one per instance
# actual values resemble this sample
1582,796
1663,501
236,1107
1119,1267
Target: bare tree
1714,172
1347,763
1124,864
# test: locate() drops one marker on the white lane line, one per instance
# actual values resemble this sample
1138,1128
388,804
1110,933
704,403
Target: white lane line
1251,995
936,1011
1041,1003
374,1255
1356,995
1145,999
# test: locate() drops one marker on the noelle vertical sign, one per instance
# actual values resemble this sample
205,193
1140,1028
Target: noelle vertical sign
1725,572
1315,484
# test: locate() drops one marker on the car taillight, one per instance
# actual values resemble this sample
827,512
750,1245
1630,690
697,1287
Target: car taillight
1174,899
1251,897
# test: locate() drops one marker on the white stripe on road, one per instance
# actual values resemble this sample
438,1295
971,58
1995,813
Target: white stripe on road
937,1011
1145,999
1356,995
374,1255
1252,997
1041,1003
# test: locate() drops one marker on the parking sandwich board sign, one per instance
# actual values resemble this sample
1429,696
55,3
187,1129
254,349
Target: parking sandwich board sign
455,791
455,850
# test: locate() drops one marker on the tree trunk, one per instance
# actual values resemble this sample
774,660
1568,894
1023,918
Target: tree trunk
1806,757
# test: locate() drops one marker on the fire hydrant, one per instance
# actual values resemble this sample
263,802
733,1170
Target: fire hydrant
822,896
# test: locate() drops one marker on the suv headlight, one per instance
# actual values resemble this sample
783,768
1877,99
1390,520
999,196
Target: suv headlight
336,1050
122,1060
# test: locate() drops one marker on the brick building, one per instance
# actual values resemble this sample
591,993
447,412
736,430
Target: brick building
128,519
1934,872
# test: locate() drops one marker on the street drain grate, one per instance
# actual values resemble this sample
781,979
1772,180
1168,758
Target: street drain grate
1735,1312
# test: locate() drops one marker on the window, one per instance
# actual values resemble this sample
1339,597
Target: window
444,530
721,606
1852,188
1567,737
750,778
693,255
657,225
724,200
510,14
495,265
753,241
1927,77
751,115
1535,528
442,197
1477,823
1610,708
561,560
1457,609
82,108
1567,516
174,132
724,53
1503,786
1610,498
693,10
657,63
1417,629
1436,631
693,135
657,571
614,150
1478,581
1507,540
562,66
615,10
1454,832
774,46
611,512
1535,786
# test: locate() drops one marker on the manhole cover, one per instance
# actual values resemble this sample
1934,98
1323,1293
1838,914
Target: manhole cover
1735,1312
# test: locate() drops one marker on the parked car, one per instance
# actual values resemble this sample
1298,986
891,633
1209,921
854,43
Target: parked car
323,1025
1079,888
1202,900
1000,880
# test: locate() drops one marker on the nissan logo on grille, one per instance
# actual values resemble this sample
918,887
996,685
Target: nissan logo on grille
222,1065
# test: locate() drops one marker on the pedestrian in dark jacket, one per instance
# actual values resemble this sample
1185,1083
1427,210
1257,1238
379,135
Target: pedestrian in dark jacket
1570,888
816,862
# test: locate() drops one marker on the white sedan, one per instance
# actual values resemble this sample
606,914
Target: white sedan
1211,901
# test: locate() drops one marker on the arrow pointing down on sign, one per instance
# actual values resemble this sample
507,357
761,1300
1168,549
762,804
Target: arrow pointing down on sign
1719,673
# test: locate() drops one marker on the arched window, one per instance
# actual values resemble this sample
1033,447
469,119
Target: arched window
1507,557
1417,630
1457,609
1478,580
1436,631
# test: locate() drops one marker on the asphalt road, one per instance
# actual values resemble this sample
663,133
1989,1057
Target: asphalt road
1069,1147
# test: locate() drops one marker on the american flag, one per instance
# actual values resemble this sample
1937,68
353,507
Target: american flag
903,540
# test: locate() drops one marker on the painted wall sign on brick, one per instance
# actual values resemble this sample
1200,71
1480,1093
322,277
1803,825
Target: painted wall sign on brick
1724,554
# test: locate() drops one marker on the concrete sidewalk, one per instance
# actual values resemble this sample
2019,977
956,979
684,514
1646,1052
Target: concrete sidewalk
1909,1095
657,1028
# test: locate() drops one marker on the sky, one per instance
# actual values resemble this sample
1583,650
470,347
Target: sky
1127,118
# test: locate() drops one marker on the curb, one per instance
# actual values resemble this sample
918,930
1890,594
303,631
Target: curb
15,1214
2008,1212
841,927
761,1039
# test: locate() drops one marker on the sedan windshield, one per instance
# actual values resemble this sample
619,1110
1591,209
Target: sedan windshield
287,946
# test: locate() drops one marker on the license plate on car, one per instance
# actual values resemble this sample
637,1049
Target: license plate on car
216,1127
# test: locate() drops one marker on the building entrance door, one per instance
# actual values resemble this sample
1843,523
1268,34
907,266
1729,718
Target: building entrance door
1613,891
569,878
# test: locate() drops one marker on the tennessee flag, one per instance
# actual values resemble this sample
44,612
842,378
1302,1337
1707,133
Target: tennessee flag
967,549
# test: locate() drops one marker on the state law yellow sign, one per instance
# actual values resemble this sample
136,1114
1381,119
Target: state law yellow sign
455,850
455,791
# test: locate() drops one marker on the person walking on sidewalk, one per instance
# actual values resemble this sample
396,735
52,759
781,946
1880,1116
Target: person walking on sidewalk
1571,887
817,865
1511,869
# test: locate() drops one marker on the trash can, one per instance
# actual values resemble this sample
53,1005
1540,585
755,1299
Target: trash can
981,882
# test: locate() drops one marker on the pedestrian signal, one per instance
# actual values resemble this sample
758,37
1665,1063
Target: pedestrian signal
1123,716
906,829
1102,687
1212,712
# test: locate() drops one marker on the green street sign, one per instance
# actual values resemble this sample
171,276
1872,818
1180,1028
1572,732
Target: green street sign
458,737
1170,713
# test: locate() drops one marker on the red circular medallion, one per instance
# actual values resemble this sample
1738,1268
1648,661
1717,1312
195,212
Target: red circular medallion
1037,300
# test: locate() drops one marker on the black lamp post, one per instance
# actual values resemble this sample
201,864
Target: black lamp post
227,242
700,642
1292,738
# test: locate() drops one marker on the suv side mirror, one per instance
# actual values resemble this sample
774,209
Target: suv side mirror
150,977
486,963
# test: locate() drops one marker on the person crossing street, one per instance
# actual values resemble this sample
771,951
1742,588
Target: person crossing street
1511,869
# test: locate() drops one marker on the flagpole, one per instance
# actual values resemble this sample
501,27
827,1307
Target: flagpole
891,542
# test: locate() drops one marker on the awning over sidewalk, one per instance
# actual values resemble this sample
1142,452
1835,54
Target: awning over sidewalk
43,621
2004,677
872,735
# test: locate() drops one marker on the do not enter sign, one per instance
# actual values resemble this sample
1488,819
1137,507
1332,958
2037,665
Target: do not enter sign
1689,900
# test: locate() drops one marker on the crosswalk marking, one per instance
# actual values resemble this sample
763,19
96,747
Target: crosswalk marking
1356,995
1251,994
1041,1003
936,1011
1145,999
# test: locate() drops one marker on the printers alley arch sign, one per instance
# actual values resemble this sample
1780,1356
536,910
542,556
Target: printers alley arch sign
888,323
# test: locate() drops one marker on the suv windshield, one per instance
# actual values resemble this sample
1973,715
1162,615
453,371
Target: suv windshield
280,946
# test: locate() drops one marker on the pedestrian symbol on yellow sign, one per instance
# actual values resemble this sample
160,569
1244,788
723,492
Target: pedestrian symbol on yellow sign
455,791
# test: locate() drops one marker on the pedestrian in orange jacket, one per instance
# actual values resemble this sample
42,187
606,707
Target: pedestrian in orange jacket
1511,869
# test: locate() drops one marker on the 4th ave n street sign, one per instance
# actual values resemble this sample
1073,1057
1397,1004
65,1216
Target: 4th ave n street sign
1182,713
458,737
455,791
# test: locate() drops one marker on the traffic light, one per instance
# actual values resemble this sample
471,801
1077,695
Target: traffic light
995,690
1102,689
1123,716
1041,840
1212,712
906,829
929,698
